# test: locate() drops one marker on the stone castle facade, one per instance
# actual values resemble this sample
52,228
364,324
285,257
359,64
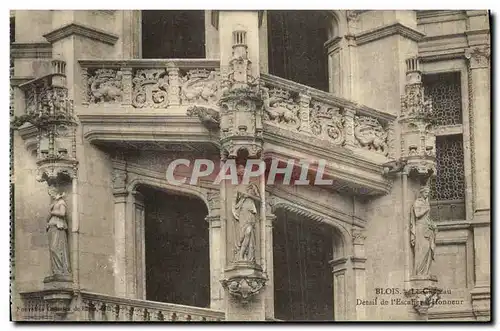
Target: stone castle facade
396,104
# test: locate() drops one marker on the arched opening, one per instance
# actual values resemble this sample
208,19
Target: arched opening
296,45
173,34
177,261
303,280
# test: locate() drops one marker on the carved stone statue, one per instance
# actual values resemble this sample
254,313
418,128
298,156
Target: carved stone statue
245,213
58,237
422,233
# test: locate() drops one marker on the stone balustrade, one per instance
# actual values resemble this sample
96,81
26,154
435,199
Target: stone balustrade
343,123
153,84
162,84
99,307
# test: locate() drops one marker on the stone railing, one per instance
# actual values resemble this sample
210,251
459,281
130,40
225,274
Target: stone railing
107,308
304,109
153,84
99,307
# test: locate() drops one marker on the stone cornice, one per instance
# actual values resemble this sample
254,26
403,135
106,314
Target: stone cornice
434,16
143,126
81,30
451,314
31,50
450,46
355,174
387,31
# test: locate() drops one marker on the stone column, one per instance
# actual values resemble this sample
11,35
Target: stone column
215,240
120,195
340,284
216,290
269,290
140,249
358,270
480,117
479,96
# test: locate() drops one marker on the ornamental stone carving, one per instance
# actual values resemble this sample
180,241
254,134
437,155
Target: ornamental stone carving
369,134
150,88
281,107
414,102
56,228
416,121
327,122
209,117
245,211
358,236
422,234
105,86
213,198
244,287
422,299
119,179
199,86
479,57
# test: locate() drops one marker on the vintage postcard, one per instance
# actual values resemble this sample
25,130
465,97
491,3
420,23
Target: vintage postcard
258,165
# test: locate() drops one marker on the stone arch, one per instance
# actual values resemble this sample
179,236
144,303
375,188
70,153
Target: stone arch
338,23
157,224
196,191
309,251
341,233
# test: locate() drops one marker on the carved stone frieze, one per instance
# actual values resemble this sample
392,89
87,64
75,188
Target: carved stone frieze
327,122
369,134
150,88
281,107
200,86
105,86
479,57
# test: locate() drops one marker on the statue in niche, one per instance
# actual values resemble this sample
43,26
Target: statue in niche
422,233
246,200
58,238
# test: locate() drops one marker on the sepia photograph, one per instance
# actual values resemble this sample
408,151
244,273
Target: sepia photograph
211,166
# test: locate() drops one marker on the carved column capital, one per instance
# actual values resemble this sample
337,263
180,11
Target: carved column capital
358,236
119,181
478,56
213,221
